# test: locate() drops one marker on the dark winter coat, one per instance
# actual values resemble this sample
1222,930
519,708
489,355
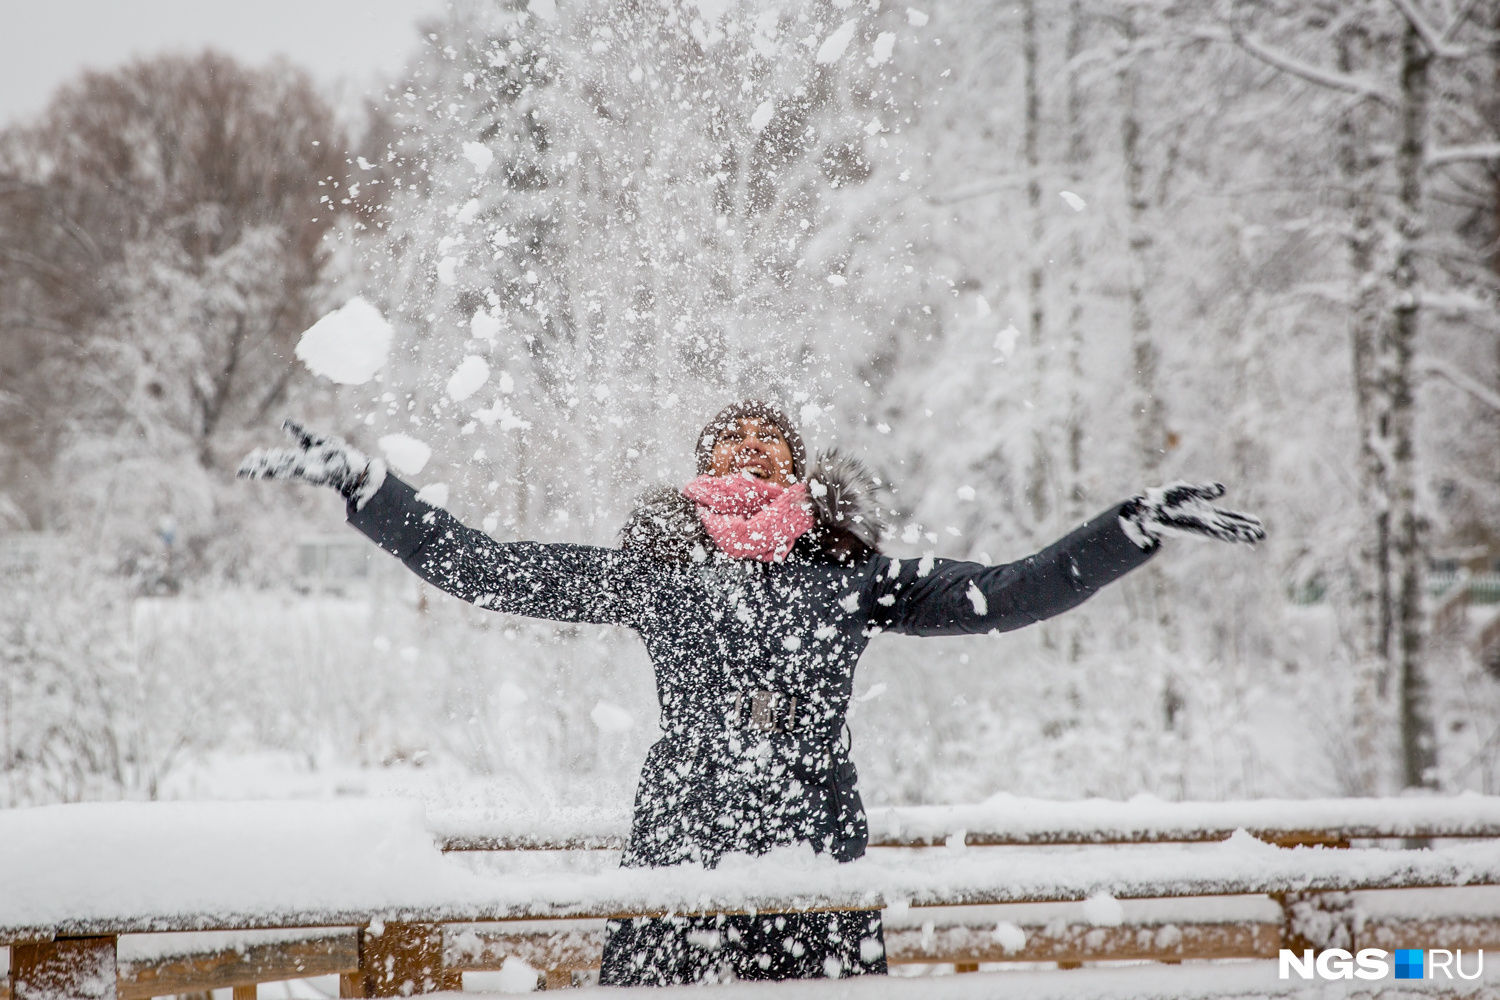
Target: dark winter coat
754,668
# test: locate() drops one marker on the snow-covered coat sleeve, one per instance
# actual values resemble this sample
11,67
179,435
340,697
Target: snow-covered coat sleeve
569,583
949,597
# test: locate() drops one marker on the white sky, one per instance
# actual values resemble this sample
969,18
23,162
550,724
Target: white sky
342,43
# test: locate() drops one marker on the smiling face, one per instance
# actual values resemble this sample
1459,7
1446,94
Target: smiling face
754,446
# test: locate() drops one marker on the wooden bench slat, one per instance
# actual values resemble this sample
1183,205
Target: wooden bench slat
236,967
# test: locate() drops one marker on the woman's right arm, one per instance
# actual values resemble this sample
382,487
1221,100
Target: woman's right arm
569,583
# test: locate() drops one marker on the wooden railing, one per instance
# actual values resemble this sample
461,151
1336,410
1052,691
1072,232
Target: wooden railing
409,922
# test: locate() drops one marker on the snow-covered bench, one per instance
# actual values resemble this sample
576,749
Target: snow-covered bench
73,879
1010,821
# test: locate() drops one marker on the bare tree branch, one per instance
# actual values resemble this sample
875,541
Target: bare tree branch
1312,74
1435,42
1459,18
1464,154
1441,369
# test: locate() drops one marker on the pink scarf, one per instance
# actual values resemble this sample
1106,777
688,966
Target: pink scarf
748,518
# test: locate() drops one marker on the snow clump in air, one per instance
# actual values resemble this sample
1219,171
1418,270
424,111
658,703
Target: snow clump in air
881,52
347,346
484,325
915,17
405,454
511,695
434,495
832,49
611,718
467,378
479,154
1076,203
762,116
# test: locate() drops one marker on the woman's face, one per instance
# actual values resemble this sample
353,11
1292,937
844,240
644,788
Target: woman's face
754,446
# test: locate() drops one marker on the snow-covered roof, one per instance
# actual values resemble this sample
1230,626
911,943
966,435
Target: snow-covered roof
141,867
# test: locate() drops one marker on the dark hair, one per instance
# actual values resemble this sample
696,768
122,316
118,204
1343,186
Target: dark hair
729,418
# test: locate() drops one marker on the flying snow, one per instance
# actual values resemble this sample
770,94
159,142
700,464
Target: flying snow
915,17
434,495
484,325
885,42
406,454
479,154
611,718
447,270
762,116
976,598
466,379
347,346
511,695
1076,203
1005,340
832,49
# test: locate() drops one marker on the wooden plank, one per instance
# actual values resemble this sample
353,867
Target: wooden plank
486,949
65,969
401,958
1070,945
489,948
1340,837
1431,932
1083,942
578,948
691,903
234,968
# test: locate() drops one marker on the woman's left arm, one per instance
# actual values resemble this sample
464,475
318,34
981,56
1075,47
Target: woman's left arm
951,597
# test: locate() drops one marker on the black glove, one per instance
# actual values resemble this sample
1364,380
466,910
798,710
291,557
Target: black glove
1183,509
319,460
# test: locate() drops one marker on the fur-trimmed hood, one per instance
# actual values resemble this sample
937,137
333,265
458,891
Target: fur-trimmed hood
665,523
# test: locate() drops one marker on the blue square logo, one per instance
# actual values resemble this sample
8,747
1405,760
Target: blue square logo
1409,963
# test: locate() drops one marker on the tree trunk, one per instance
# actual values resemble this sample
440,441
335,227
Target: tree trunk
1360,170
1038,476
1150,417
1418,743
1077,153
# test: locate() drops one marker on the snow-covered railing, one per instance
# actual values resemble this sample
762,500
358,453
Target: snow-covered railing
73,879
1010,821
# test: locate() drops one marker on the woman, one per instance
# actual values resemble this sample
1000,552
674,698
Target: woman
755,589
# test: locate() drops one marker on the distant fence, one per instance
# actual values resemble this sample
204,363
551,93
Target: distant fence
73,879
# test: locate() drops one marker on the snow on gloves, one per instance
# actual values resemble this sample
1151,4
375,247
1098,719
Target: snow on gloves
319,460
1183,509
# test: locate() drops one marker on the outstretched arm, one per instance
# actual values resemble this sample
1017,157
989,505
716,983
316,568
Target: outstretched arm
951,597
947,597
571,583
568,583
